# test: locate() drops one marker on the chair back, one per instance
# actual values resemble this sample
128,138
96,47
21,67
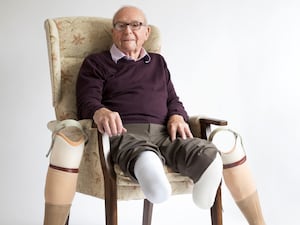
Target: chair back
70,40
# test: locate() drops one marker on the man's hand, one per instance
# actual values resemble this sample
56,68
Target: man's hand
108,122
177,125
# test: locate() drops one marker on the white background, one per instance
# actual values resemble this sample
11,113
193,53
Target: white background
233,59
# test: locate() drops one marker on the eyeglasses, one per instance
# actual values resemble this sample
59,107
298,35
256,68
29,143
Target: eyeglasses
135,25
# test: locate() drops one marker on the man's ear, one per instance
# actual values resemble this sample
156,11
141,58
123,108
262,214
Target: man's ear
148,32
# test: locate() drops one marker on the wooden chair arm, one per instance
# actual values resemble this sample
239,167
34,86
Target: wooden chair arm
205,125
212,121
201,126
104,149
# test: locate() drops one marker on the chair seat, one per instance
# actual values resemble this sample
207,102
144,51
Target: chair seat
172,177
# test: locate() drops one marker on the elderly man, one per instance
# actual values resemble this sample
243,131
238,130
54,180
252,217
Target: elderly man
129,94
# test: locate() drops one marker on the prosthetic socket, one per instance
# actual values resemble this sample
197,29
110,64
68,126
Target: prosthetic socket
68,139
67,145
237,175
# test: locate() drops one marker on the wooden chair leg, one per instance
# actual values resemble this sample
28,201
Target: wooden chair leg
110,187
216,209
111,208
67,221
147,214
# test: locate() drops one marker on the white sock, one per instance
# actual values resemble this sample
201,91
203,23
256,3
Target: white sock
151,176
205,189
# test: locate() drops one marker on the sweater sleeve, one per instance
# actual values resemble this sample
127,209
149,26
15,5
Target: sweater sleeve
89,88
175,106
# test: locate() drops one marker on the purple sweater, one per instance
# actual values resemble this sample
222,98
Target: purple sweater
140,91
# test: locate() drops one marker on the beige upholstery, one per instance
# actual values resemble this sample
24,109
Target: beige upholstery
70,40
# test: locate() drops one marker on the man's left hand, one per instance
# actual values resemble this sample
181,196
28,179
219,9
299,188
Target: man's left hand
177,125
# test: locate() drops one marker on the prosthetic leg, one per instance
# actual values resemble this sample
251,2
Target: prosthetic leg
67,147
237,174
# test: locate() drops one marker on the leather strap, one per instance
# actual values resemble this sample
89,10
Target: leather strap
69,170
237,163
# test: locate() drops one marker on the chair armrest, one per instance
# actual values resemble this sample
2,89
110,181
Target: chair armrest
213,121
104,150
201,125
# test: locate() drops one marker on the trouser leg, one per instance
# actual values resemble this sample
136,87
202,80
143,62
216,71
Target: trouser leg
61,179
141,160
199,160
238,177
192,157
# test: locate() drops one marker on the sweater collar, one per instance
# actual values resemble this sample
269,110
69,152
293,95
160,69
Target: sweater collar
116,55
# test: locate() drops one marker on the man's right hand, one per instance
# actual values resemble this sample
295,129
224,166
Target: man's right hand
108,122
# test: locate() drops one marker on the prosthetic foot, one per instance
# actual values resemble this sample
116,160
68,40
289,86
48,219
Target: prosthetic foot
237,174
68,139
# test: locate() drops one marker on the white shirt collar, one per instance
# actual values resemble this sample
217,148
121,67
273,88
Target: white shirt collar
116,54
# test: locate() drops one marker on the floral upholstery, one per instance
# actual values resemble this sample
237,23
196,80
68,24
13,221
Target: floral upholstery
70,40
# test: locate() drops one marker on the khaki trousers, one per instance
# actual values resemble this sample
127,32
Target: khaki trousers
188,157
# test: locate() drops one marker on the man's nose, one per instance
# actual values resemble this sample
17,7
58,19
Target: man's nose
128,28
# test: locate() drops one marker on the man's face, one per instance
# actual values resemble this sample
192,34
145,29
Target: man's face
130,31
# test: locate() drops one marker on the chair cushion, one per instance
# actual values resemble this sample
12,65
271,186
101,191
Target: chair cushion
125,180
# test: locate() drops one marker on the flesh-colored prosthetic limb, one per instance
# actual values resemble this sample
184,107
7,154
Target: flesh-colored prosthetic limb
237,175
66,150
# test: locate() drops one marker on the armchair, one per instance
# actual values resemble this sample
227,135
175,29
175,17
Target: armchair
70,40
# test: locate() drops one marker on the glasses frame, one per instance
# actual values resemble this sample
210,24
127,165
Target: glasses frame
134,25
